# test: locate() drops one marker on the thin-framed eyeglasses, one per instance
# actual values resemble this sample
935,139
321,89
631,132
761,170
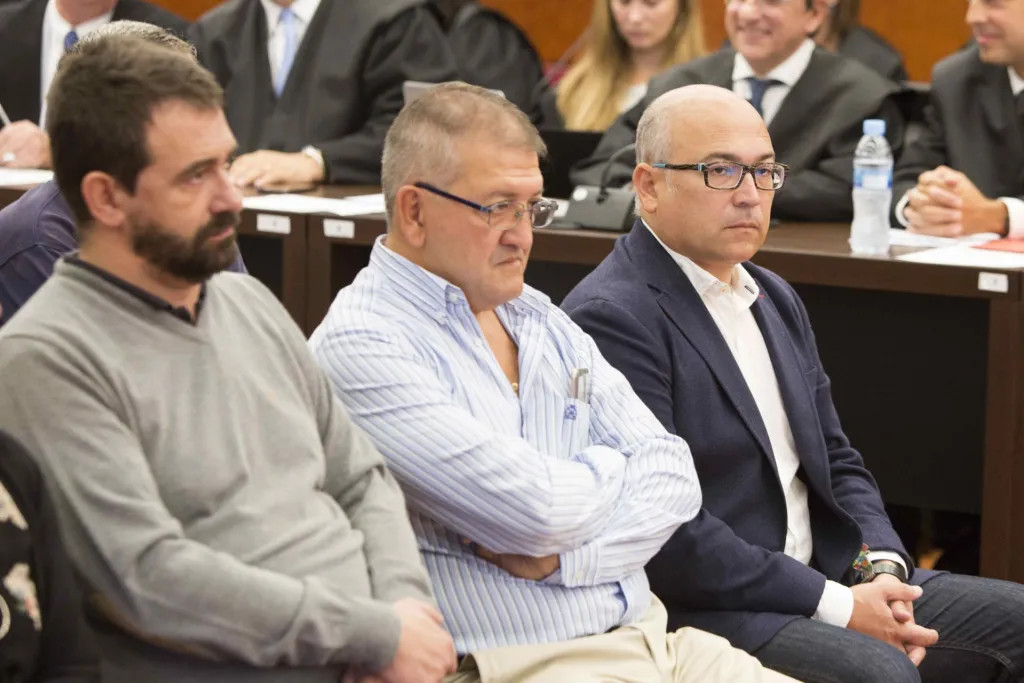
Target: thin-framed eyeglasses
506,214
728,175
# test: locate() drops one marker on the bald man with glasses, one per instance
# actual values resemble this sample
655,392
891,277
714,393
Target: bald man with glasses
793,557
537,482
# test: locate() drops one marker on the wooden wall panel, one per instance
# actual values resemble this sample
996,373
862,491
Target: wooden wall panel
924,30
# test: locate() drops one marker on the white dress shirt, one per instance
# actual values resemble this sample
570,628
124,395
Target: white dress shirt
787,73
1014,206
304,11
729,306
55,29
588,474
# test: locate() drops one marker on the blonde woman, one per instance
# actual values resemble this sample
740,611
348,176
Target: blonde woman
629,41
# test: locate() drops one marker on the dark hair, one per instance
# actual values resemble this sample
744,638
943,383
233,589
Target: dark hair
100,105
844,17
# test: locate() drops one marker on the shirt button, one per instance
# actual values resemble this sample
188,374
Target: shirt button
452,297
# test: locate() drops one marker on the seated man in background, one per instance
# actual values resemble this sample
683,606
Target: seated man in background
230,522
538,483
813,102
34,34
317,107
39,227
811,577
965,174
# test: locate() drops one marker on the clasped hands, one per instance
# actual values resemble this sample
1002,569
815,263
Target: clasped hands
946,203
884,609
23,144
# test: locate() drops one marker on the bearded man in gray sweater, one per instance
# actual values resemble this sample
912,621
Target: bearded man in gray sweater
229,521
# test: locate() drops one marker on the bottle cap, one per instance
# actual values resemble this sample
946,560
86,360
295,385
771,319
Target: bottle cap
874,127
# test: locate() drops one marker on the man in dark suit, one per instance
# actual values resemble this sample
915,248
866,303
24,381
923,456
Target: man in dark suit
813,101
793,557
312,86
965,174
34,34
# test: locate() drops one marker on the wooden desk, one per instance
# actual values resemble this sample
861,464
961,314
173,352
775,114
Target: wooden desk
928,370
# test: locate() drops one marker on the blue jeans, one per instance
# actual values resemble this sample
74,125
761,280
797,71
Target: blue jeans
981,638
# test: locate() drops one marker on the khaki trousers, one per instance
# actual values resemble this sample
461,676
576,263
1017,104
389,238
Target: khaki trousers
639,653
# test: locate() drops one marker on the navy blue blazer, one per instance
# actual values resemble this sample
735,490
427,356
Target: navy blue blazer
725,570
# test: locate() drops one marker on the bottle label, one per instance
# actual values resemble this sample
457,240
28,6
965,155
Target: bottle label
872,178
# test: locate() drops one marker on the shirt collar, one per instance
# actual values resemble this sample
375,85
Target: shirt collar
61,27
788,72
742,284
303,10
156,302
1016,81
432,293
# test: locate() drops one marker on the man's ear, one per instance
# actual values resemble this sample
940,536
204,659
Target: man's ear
646,187
407,216
816,16
105,198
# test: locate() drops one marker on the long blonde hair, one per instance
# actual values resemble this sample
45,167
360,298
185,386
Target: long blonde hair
591,92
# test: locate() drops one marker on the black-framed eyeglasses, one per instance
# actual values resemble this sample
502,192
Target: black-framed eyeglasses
728,175
506,214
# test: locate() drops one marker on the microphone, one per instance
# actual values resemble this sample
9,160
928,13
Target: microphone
602,207
607,171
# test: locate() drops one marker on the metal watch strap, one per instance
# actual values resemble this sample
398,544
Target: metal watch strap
889,567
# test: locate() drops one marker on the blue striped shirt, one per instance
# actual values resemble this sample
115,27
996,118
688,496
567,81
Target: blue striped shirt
600,483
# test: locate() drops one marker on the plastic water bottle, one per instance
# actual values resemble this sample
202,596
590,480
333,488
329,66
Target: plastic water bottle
872,191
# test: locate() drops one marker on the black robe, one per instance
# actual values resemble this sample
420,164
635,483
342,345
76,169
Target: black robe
344,88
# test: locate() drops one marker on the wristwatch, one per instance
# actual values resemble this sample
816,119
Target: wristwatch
888,567
317,156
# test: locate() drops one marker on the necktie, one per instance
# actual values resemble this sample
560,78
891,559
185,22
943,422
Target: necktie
758,87
287,27
70,39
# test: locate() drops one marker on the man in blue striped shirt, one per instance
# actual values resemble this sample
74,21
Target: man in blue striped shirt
538,483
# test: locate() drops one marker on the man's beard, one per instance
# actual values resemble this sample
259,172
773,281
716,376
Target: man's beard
194,260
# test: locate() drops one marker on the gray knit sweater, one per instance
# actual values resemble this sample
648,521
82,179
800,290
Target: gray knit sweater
213,492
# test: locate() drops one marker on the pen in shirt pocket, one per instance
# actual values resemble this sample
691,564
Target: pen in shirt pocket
579,386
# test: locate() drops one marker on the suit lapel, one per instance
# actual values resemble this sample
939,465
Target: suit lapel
797,399
21,44
720,71
684,307
991,90
791,118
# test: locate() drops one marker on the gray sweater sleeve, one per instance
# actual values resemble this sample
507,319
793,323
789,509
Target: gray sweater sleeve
134,554
370,496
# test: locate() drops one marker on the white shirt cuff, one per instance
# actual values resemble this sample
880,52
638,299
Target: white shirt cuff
876,555
1015,210
836,605
900,205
